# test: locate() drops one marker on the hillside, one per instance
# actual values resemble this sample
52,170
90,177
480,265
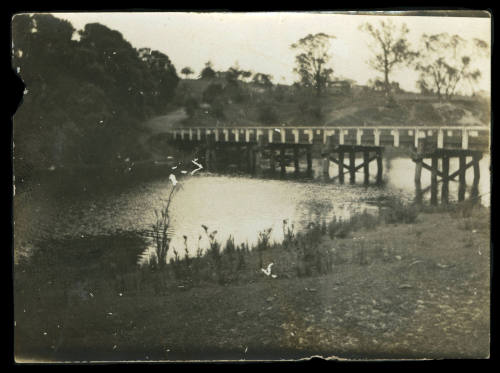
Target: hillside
218,103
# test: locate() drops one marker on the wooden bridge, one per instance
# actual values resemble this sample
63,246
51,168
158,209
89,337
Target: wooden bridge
442,137
334,144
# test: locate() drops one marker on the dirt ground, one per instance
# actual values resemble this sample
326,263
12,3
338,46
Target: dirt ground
421,291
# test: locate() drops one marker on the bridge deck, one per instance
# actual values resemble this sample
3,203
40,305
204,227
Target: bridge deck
459,137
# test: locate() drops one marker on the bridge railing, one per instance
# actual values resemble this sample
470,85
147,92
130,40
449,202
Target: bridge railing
454,136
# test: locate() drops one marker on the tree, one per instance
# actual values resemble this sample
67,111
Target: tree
208,72
445,61
90,93
390,48
312,60
235,73
263,80
212,93
187,71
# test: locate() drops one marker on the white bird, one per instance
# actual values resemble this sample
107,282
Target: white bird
173,179
267,271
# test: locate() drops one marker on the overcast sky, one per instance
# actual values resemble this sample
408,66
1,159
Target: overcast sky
261,41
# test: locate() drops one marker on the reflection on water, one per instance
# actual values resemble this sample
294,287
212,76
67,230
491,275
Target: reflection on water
238,206
243,207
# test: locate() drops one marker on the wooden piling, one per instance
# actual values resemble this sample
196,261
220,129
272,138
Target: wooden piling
326,168
418,162
214,159
366,167
258,161
434,170
341,167
380,167
461,178
352,167
445,179
249,157
210,153
475,182
418,171
272,160
309,161
296,160
418,192
282,161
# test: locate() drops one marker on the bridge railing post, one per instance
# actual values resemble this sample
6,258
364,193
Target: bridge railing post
465,138
440,139
359,134
395,134
341,136
376,136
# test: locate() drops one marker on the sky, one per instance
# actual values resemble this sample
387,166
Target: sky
260,42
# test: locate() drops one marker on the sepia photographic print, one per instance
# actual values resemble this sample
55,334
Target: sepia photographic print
218,186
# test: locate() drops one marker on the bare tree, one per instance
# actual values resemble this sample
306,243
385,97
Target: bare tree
391,48
445,61
187,71
311,62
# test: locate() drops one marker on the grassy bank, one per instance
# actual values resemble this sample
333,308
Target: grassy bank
361,289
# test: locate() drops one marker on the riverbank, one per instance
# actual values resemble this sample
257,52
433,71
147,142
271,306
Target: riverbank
418,290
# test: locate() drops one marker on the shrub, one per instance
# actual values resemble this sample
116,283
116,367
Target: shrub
191,105
212,92
267,114
264,238
215,254
400,212
311,110
161,232
218,110
288,234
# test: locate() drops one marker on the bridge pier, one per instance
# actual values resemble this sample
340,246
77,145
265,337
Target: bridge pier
351,151
444,176
251,144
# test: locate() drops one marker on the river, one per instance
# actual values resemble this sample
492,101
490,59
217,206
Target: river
231,205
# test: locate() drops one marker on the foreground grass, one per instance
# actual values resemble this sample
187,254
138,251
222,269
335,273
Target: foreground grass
416,290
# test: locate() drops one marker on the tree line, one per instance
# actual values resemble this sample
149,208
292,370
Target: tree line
86,91
443,61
